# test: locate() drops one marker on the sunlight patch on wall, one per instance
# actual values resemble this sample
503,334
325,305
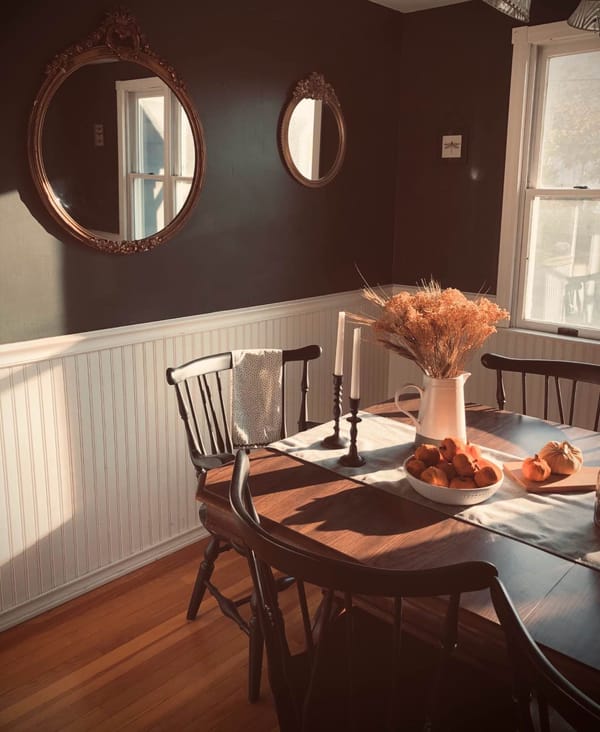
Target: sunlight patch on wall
36,498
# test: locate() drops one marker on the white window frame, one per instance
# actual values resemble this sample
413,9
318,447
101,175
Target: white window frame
126,92
519,163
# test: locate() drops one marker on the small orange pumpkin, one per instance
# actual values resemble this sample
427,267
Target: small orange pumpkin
536,468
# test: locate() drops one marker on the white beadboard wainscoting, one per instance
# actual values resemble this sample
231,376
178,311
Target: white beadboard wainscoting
95,478
481,385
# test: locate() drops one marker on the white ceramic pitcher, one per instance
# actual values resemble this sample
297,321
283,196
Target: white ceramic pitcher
442,408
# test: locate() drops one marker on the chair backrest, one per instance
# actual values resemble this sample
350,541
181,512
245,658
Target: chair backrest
573,372
338,578
532,671
202,385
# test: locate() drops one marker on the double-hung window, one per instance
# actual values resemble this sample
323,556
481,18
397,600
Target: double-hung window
549,270
156,156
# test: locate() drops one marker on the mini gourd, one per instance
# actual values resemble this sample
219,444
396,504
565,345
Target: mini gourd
535,468
562,457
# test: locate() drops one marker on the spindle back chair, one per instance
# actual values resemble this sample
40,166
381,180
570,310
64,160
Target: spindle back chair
202,388
533,674
559,372
297,680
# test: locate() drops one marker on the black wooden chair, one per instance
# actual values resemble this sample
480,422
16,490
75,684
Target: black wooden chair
331,684
202,387
533,674
572,372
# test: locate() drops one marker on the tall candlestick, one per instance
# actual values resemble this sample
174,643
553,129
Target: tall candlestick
355,382
352,459
334,441
338,369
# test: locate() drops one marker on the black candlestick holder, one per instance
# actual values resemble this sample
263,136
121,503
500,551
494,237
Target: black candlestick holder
335,441
352,459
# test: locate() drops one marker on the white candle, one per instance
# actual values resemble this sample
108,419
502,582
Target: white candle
355,382
338,369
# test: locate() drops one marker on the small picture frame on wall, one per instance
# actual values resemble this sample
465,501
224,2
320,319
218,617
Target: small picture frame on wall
453,147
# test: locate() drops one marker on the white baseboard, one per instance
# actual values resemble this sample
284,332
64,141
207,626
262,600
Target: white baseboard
98,578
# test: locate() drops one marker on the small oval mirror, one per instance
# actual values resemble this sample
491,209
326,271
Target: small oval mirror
313,134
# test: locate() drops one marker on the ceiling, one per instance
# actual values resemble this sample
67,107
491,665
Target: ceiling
410,6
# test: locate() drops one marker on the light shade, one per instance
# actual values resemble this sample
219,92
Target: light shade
586,16
517,9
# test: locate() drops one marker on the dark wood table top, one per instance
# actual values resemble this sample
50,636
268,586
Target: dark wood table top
558,599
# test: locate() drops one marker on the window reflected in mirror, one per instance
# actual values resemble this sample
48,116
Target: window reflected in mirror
313,132
156,166
313,138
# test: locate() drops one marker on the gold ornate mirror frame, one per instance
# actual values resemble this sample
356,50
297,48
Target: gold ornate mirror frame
313,87
118,38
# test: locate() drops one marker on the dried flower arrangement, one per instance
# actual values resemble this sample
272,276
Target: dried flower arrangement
434,327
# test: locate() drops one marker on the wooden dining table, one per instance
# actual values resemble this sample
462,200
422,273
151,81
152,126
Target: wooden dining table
558,598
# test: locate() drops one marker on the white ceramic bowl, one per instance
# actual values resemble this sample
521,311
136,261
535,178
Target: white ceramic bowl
453,496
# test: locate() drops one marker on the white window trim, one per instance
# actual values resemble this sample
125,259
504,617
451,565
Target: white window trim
526,40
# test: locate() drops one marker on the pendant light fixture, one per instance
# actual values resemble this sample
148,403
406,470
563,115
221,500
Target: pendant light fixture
517,9
586,16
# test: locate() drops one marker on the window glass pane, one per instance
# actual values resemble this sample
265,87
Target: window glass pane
186,145
563,267
182,190
570,145
148,209
151,121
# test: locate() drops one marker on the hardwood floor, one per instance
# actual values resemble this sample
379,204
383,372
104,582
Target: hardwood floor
124,657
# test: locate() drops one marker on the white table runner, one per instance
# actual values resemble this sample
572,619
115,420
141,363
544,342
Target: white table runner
559,523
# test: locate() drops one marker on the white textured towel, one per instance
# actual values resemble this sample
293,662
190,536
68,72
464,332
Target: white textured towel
256,399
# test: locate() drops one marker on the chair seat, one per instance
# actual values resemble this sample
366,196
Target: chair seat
209,462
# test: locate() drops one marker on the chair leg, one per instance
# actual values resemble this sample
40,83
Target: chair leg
449,643
255,654
205,571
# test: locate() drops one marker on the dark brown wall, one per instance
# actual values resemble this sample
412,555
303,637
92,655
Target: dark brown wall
256,235
455,65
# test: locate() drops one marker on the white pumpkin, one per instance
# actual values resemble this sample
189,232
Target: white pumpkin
562,457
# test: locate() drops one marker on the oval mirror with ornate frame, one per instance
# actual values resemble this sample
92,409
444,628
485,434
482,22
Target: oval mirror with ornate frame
124,177
313,133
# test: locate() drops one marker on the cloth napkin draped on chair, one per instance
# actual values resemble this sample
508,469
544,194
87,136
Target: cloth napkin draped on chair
256,398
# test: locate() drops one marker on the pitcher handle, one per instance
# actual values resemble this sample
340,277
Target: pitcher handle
400,391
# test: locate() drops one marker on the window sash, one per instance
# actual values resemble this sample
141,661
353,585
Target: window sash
531,46
128,92
539,70
520,319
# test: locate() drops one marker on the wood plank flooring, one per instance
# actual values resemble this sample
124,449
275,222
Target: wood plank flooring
124,657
